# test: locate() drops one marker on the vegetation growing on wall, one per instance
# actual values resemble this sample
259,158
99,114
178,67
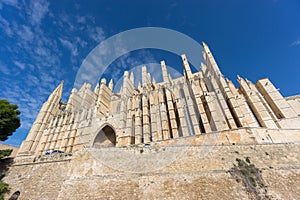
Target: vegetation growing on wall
5,153
4,188
4,164
251,178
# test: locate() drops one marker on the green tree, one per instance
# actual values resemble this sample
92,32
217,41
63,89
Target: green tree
9,119
9,122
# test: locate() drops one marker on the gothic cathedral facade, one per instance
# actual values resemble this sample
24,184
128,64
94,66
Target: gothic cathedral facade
198,103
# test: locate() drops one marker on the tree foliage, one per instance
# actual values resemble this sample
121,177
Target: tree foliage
4,153
9,119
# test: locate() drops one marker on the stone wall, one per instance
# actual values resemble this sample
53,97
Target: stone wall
159,172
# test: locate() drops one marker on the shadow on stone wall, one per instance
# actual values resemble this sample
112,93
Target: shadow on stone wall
5,163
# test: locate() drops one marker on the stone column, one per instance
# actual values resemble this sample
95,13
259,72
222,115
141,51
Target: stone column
73,137
172,116
259,110
138,121
67,133
222,102
45,137
278,104
59,132
180,108
129,134
191,110
214,110
146,119
163,114
153,115
198,93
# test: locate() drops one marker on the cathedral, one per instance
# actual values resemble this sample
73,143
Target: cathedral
200,103
197,136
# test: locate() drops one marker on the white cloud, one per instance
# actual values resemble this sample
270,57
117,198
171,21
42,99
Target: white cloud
26,124
81,19
5,25
81,42
70,46
28,103
41,51
20,65
24,32
47,78
37,11
32,47
96,33
11,2
4,69
33,79
297,42
64,22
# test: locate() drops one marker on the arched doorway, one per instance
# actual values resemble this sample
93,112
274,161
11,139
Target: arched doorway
105,138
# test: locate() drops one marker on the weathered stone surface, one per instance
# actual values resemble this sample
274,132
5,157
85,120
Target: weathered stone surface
197,172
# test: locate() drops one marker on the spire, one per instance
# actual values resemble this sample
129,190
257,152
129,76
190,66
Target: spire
96,90
126,74
164,71
70,101
125,78
231,85
111,84
170,79
103,81
153,80
88,86
204,44
59,88
210,60
125,83
243,84
145,78
202,64
57,93
82,87
250,84
186,66
132,77
149,77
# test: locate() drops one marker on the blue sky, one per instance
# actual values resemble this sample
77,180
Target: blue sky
44,42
